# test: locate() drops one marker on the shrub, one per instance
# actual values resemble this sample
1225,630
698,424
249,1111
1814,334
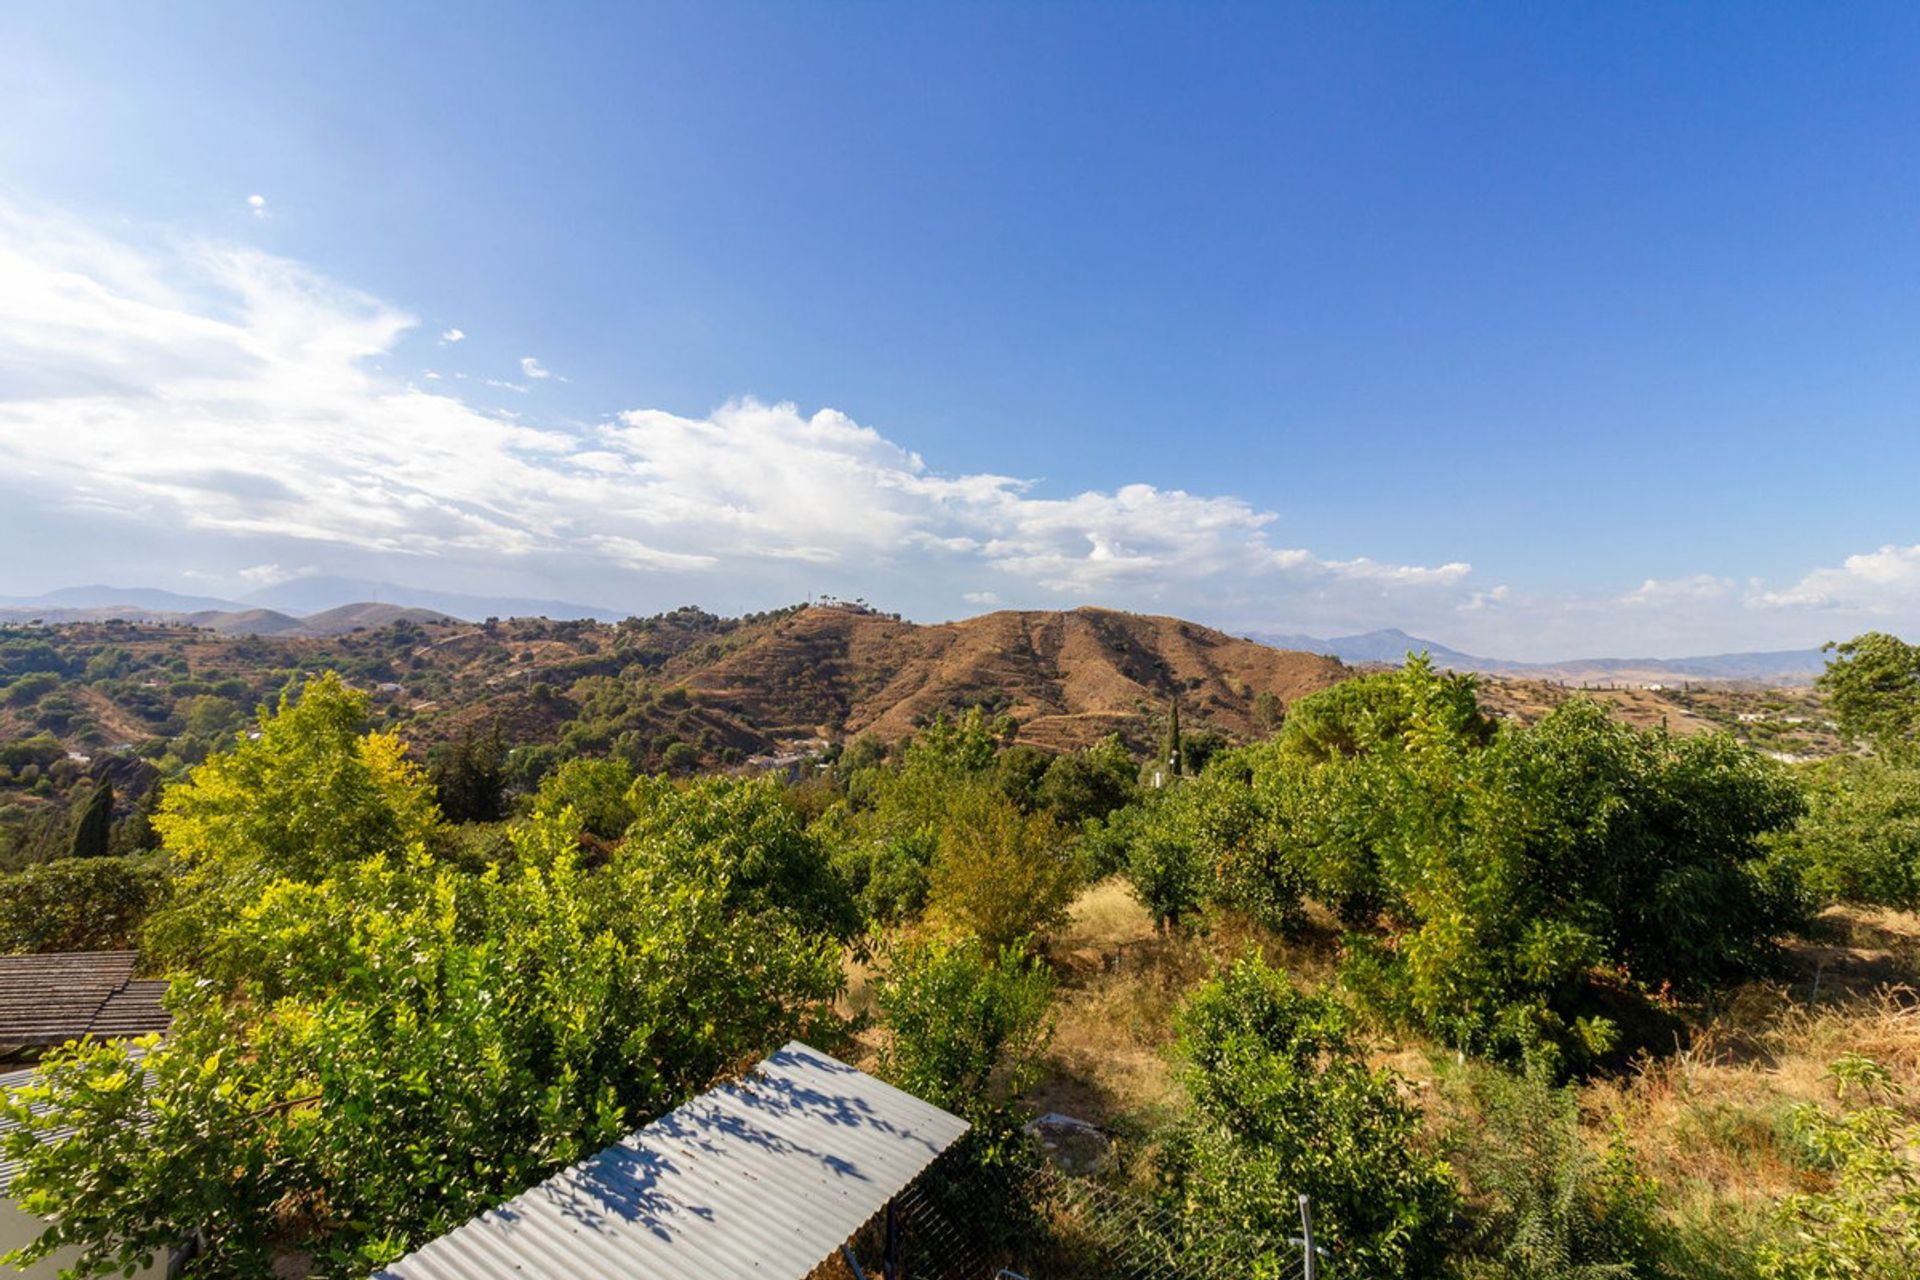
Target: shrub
1867,1226
1544,1204
1860,838
1284,1104
79,904
967,1025
1000,874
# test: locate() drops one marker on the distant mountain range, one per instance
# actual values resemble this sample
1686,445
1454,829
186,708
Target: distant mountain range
1781,666
301,607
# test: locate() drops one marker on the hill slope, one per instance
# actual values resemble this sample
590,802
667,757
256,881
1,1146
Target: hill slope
729,687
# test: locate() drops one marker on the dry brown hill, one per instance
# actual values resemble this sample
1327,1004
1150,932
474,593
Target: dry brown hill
729,687
1067,678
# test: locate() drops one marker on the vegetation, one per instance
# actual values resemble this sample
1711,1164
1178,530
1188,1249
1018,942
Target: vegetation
1543,997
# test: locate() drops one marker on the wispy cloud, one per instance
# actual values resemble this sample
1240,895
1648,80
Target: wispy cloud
532,368
223,391
450,336
258,204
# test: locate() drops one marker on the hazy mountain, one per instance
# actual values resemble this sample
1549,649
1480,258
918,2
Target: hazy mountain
312,595
1392,646
101,597
348,617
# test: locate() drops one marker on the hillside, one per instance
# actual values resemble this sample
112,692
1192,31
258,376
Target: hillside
729,688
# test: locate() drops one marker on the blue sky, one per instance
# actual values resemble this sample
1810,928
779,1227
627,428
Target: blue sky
1543,330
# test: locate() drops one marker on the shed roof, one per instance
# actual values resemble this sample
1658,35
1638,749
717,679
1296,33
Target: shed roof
55,997
764,1177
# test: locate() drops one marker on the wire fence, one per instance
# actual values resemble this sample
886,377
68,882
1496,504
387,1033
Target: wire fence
962,1222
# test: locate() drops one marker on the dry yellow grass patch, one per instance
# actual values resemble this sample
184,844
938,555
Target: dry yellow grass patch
1709,1121
1121,984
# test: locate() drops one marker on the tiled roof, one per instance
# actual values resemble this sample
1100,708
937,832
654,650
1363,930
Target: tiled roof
60,996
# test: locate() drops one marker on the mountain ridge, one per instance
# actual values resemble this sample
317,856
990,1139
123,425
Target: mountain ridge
1391,646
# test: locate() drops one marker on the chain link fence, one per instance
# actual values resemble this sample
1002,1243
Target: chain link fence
960,1221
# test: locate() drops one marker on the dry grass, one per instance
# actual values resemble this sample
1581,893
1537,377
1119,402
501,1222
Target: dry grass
1709,1120
1121,984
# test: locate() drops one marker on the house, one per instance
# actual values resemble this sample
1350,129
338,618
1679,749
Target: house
769,1177
54,997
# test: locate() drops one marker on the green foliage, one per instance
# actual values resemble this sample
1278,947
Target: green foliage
1544,1205
93,822
1284,1104
1091,783
1510,865
1872,686
469,777
30,688
740,833
1000,874
1171,756
1860,838
596,791
966,1026
1867,1225
309,796
398,1044
79,904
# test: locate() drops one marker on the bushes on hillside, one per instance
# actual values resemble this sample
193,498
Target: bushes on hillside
1487,875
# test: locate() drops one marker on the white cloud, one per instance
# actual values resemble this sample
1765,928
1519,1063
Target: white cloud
533,368
449,336
271,575
520,387
1872,582
230,394
257,203
1659,592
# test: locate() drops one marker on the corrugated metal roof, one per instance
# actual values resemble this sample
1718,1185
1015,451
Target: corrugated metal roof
55,997
765,1177
8,1083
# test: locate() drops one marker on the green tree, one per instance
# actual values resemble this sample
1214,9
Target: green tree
595,789
1872,685
1091,783
741,833
93,823
310,795
398,1045
966,1026
1171,756
79,904
1860,838
1284,1104
469,778
1000,874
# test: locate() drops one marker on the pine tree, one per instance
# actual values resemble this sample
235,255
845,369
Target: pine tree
93,828
1171,751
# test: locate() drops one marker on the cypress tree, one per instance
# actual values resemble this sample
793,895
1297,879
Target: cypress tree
93,828
1171,751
